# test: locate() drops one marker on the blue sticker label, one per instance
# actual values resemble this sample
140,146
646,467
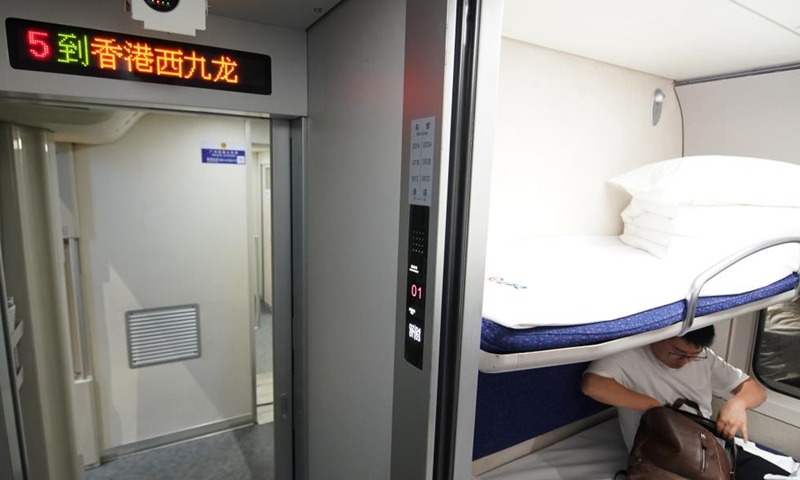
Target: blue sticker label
221,155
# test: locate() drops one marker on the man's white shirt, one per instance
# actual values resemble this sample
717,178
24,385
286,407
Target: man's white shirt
641,371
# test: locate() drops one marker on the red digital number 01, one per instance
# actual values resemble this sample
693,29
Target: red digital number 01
37,40
416,292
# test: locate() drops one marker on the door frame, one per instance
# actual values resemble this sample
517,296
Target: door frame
299,151
287,166
284,463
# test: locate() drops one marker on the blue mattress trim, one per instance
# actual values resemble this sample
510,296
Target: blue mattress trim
499,339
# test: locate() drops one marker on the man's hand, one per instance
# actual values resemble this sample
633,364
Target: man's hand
733,419
733,416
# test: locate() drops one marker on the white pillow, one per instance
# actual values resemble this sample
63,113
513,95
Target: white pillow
715,180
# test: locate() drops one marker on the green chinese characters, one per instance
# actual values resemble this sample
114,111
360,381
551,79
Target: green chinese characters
73,49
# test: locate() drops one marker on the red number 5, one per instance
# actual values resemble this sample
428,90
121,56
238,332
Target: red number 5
37,40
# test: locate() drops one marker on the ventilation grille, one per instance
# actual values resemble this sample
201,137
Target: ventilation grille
162,335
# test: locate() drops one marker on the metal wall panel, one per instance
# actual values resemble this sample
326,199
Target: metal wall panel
352,193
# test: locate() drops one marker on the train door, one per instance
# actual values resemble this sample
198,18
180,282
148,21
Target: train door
57,359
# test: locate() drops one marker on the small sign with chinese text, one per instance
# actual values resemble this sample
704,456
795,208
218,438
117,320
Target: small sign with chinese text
226,153
420,172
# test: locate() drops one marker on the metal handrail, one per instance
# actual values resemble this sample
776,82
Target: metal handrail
693,295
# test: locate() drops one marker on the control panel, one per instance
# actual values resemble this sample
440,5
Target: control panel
420,191
416,291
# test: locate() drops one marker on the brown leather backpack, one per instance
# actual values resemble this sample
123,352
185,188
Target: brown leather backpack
675,445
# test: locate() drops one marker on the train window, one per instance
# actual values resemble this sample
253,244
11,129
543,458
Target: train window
776,362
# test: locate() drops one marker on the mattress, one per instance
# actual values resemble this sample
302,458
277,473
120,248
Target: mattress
595,454
570,291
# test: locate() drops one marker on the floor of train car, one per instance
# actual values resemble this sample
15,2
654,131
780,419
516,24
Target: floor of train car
241,454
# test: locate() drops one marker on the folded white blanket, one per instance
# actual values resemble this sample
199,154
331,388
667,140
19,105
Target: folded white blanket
712,221
675,230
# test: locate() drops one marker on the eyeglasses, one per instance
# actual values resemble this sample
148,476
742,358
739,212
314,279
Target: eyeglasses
690,358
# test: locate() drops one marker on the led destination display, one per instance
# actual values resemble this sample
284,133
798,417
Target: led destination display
53,48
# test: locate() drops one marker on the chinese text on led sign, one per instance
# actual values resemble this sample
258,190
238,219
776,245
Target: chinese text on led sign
79,51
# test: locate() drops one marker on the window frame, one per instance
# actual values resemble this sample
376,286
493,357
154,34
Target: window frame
773,385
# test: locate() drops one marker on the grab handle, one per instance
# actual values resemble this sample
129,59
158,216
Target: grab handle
699,282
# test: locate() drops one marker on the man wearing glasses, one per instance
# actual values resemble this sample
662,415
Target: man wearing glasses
680,367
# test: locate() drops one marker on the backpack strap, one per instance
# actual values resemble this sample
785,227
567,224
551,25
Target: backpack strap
683,401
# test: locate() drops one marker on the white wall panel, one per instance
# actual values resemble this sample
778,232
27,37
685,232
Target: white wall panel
565,125
287,48
356,56
756,116
161,228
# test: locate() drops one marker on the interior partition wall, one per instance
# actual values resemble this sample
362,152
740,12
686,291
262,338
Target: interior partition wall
161,229
352,201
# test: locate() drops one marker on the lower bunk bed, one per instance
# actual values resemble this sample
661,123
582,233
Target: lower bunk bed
596,454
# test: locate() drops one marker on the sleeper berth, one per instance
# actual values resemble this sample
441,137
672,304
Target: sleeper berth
647,291
553,304
595,454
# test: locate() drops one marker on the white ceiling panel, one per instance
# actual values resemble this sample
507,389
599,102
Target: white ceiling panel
297,14
677,39
783,12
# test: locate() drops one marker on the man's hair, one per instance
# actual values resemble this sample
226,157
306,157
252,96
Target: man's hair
703,337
